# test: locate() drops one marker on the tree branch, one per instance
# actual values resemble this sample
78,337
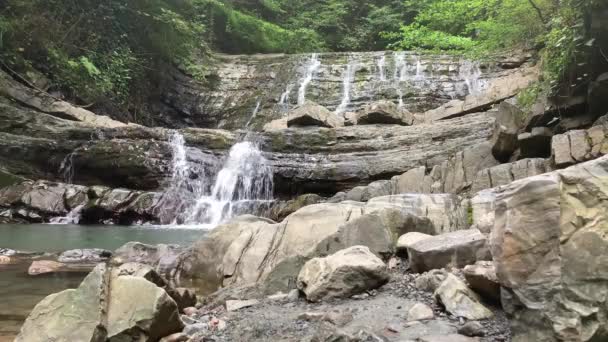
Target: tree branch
540,13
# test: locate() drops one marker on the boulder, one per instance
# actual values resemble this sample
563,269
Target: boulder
506,173
549,245
39,267
384,112
482,211
409,239
445,211
535,144
312,114
459,300
506,127
70,315
482,279
140,310
413,181
250,250
106,306
348,272
455,249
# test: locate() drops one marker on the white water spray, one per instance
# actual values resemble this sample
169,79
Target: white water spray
347,82
470,72
311,68
419,70
73,217
381,68
244,183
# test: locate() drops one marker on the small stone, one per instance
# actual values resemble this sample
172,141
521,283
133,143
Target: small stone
218,324
337,318
472,328
393,328
45,266
360,296
420,312
188,320
293,295
190,311
234,305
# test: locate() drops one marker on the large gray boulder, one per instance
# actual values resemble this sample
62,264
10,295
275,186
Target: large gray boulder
70,315
549,245
482,279
455,249
342,274
384,112
107,306
162,258
251,250
312,114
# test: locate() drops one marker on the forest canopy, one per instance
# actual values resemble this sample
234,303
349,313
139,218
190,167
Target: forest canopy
114,50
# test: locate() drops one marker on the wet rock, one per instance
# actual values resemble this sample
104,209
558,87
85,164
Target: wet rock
456,249
548,242
472,328
283,209
384,112
312,114
343,274
482,279
430,281
234,305
420,312
408,240
459,300
39,267
536,144
85,255
163,258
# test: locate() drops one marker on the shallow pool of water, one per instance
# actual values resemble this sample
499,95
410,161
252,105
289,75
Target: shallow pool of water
19,292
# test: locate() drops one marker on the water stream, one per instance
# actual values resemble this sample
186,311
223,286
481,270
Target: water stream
310,68
348,77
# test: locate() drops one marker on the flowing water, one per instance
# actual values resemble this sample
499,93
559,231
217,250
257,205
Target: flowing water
244,185
284,99
470,73
19,292
381,68
254,113
310,68
348,77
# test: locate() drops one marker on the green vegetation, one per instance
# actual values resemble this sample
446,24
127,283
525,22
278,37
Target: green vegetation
116,53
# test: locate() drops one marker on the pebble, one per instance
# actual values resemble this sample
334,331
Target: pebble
472,328
234,305
177,337
190,311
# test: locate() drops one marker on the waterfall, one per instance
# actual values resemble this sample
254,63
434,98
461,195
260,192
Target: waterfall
381,67
242,185
66,168
419,70
470,73
311,68
347,81
254,113
284,100
73,217
399,74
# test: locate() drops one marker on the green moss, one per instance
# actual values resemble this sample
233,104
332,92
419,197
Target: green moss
470,215
8,179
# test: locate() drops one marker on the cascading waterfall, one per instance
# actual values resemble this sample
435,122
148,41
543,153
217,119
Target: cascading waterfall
399,74
310,69
284,99
347,81
470,72
66,169
243,185
419,70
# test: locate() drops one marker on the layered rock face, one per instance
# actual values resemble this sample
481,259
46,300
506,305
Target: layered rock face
278,82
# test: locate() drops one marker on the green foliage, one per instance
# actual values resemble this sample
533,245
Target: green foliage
415,36
101,51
